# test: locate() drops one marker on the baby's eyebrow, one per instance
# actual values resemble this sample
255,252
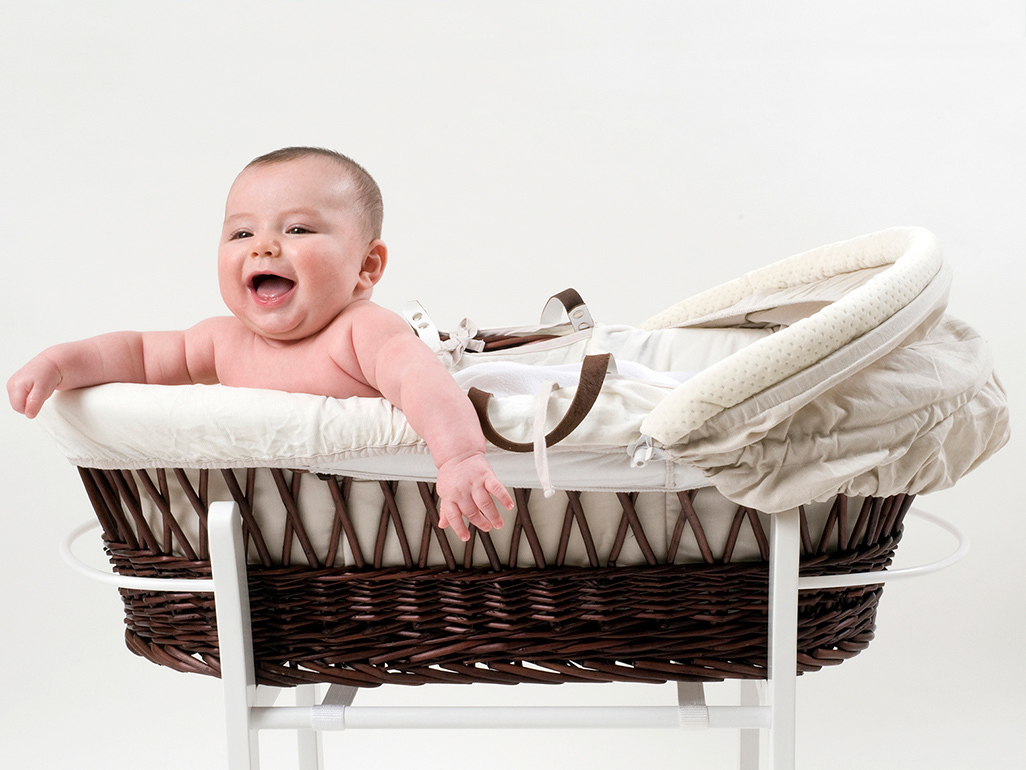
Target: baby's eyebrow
299,211
303,212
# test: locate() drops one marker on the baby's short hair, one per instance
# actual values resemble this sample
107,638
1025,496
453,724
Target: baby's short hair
367,195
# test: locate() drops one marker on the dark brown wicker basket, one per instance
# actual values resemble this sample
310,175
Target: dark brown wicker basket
366,625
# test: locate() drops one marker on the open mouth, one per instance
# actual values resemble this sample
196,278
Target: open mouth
268,287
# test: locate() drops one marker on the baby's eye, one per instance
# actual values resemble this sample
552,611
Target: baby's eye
240,234
297,230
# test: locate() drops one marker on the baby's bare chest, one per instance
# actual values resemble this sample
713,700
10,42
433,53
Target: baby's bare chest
295,368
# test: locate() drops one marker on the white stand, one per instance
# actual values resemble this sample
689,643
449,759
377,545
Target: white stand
766,709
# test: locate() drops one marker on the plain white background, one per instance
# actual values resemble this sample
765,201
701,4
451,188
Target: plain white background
640,152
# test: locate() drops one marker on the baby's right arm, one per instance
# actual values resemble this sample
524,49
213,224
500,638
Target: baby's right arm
165,358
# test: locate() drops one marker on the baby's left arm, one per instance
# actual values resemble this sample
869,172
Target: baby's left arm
403,369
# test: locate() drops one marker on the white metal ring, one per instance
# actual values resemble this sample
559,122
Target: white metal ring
126,581
886,576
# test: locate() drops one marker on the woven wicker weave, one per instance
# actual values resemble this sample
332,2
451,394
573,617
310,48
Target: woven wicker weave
366,625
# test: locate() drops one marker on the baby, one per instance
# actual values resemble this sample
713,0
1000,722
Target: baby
299,255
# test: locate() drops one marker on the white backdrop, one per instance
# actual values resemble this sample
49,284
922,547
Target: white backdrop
638,153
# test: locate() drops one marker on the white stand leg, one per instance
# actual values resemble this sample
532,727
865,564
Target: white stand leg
309,740
783,636
751,739
234,637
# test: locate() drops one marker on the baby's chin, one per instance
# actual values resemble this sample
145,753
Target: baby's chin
280,331
291,323
283,329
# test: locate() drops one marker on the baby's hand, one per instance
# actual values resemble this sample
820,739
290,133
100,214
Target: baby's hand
32,385
465,489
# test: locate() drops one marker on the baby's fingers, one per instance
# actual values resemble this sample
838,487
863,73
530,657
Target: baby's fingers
498,491
17,394
34,401
31,385
26,397
486,509
449,515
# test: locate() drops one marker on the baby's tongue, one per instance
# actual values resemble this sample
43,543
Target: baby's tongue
273,287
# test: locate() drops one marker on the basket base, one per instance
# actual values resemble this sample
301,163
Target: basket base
652,625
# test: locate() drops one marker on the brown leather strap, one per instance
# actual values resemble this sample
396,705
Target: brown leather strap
569,298
593,374
504,341
576,310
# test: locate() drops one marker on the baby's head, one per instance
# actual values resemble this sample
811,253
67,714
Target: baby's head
365,196
301,241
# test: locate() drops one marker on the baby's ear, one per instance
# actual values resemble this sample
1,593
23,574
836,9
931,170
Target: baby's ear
374,262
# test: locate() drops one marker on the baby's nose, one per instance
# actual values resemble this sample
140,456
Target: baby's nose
265,247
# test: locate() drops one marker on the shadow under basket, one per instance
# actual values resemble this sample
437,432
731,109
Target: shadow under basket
365,624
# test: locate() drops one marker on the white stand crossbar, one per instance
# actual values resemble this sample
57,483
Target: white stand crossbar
327,717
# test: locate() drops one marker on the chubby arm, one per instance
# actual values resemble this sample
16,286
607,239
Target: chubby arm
402,368
164,358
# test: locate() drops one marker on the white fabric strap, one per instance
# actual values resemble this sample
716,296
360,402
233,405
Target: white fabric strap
340,695
541,451
418,318
331,714
450,350
328,717
691,708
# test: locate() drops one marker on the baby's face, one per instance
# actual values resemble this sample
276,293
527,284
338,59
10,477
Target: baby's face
292,252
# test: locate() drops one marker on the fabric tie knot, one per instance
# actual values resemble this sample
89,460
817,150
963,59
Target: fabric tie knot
460,340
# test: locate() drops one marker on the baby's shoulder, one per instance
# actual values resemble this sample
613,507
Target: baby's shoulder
365,315
218,330
363,329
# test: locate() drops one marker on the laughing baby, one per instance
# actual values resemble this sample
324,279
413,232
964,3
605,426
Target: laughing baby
299,256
